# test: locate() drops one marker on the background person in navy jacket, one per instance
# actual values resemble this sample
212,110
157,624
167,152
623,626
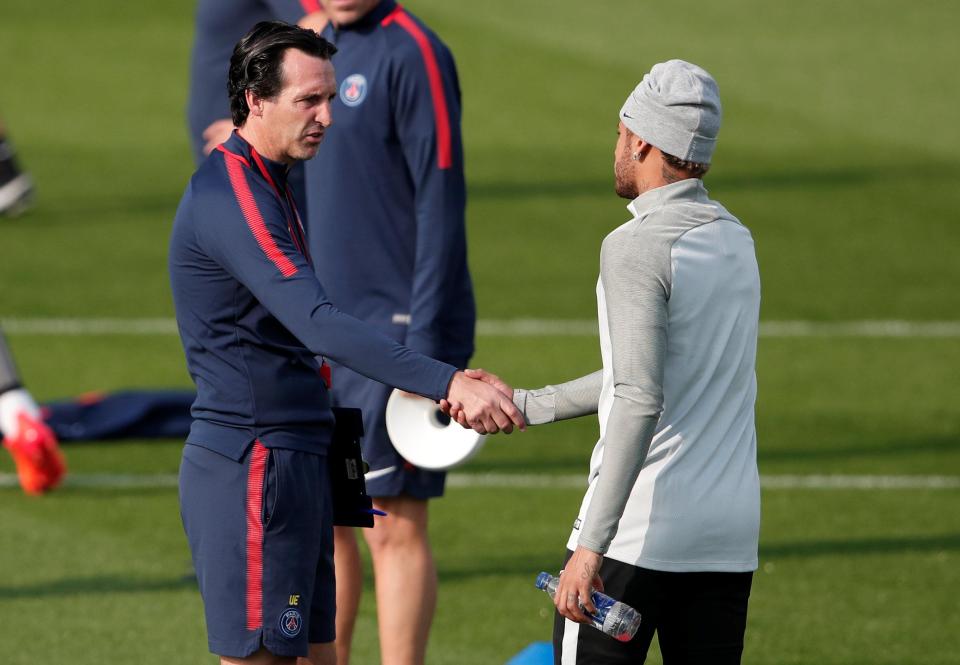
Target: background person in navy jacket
385,208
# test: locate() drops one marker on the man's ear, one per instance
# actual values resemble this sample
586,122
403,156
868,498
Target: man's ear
640,147
254,103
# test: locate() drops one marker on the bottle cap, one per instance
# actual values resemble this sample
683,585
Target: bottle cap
542,580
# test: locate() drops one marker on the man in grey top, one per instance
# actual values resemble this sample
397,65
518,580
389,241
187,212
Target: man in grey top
670,520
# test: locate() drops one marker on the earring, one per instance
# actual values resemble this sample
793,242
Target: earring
636,156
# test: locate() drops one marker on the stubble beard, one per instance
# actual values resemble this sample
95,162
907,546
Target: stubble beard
624,183
301,152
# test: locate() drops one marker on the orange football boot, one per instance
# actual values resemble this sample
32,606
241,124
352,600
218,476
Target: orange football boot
40,464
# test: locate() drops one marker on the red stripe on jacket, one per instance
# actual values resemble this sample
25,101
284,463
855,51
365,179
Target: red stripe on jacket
224,150
310,6
256,477
294,235
440,116
248,205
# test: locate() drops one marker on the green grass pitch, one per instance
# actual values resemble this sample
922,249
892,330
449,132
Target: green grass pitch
839,150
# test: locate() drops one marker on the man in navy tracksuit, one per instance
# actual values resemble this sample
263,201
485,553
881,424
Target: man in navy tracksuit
385,208
254,490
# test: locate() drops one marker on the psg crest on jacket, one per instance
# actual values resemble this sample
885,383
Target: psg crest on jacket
353,89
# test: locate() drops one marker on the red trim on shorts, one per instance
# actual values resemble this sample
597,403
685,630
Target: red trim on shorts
256,477
440,116
248,205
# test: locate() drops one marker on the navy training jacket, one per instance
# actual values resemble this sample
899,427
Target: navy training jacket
386,196
252,314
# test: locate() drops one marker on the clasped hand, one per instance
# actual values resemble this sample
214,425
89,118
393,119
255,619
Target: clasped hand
483,402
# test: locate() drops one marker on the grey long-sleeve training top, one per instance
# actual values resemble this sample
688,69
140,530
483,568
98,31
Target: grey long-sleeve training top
673,481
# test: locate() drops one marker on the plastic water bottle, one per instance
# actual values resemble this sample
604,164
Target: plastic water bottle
616,619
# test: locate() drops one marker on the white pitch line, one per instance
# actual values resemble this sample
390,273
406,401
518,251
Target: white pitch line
839,482
860,329
532,481
538,327
522,327
83,326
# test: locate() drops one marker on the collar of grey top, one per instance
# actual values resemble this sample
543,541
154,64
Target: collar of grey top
691,189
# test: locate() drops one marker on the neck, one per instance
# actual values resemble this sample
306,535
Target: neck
654,172
251,134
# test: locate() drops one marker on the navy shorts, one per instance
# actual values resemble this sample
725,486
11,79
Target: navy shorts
261,536
390,474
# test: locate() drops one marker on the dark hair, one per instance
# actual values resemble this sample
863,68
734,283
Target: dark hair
689,168
256,63
672,164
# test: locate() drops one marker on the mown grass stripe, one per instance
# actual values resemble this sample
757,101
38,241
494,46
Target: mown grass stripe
533,481
520,327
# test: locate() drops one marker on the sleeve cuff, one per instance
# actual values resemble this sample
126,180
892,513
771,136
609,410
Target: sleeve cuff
537,406
592,544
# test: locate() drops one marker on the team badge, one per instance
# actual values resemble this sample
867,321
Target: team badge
353,90
291,622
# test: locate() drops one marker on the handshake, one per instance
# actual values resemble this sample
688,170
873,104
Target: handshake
483,402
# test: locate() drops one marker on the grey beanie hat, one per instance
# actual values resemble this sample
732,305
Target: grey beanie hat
676,107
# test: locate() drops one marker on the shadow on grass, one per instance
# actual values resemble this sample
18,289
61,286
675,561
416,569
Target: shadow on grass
877,545
63,211
830,178
881,448
517,565
96,585
113,493
519,189
537,466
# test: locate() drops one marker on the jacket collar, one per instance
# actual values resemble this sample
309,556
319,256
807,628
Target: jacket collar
276,172
690,189
372,17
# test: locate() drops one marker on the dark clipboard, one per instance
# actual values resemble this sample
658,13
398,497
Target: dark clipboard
351,504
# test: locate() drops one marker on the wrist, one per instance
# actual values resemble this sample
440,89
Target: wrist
591,546
455,379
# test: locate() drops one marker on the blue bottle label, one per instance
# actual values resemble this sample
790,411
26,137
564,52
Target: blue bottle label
603,603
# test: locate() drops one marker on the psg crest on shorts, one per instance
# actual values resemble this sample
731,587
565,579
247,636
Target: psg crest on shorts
291,622
353,89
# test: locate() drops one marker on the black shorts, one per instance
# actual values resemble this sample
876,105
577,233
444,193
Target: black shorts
261,536
699,618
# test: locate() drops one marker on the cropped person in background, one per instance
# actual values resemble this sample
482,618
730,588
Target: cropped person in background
386,225
16,187
32,444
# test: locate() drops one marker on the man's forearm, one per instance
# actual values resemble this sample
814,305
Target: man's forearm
626,443
572,399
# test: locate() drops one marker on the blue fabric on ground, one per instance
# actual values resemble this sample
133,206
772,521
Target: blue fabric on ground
538,653
129,414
